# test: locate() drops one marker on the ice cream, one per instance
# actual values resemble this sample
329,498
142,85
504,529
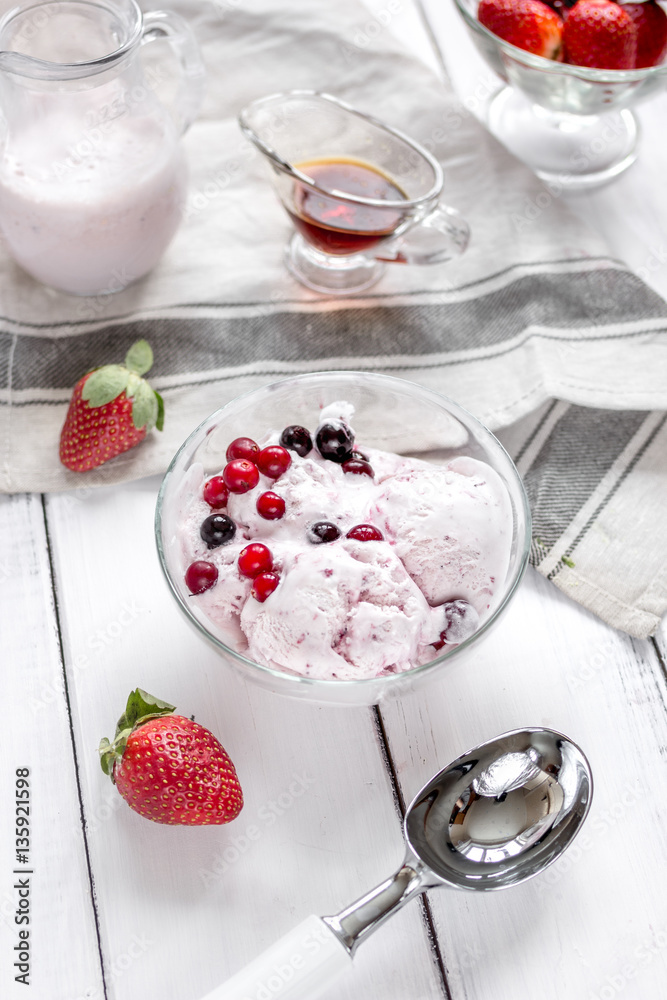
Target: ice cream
310,556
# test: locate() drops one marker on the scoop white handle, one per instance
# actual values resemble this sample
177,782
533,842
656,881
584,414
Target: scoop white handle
298,967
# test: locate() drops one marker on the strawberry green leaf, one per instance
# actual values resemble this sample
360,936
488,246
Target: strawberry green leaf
159,423
109,756
144,407
105,757
140,705
104,385
133,383
139,358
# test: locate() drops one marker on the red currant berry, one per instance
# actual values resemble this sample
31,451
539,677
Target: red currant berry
240,475
273,460
359,466
365,533
263,585
200,576
270,506
255,559
216,493
242,448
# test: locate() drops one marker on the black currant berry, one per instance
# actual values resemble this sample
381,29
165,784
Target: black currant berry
461,621
322,531
297,439
335,441
217,529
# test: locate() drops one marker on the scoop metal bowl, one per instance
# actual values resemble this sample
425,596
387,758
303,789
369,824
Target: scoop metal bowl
496,816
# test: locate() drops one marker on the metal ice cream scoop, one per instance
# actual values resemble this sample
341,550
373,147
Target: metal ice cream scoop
495,817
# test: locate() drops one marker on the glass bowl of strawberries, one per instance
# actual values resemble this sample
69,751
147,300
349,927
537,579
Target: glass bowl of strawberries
571,72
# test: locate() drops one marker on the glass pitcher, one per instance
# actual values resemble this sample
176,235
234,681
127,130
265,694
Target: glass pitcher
92,175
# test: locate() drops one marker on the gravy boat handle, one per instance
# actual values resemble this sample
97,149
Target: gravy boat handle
442,235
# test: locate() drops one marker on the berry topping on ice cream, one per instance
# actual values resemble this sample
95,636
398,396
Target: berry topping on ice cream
334,440
359,466
342,576
461,621
297,439
273,461
270,506
242,447
216,493
322,531
255,559
199,576
217,529
263,585
365,533
240,475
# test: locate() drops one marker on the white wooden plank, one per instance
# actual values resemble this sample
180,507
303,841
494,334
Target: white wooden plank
661,640
36,735
181,909
598,918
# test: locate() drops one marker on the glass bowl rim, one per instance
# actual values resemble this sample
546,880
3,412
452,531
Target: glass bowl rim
552,66
385,683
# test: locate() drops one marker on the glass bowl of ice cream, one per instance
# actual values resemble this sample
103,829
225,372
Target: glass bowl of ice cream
342,536
565,104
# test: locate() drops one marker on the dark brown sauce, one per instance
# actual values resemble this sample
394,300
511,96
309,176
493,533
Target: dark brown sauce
339,227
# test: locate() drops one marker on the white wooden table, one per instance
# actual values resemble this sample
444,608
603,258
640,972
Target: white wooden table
123,909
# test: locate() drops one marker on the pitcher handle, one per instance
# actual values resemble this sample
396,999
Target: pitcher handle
162,24
441,236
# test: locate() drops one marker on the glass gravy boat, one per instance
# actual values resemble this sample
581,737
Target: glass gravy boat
358,192
92,176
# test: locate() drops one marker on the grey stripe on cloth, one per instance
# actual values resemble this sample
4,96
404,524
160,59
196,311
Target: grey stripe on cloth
579,452
597,490
535,329
490,321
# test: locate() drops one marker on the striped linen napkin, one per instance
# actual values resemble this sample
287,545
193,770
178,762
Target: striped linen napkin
536,330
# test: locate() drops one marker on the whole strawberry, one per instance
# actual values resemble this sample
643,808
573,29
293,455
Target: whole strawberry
600,34
169,768
112,409
651,23
529,24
